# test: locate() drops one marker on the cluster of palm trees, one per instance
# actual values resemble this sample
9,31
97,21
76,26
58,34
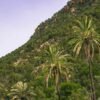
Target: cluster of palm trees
56,64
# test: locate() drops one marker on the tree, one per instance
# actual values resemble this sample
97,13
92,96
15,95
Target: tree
21,91
55,66
73,91
86,42
3,91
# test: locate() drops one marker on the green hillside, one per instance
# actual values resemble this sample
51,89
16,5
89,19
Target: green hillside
24,72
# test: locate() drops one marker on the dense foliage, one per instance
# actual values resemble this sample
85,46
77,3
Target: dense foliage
54,63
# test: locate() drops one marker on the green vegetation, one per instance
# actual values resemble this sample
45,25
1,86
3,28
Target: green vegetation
61,61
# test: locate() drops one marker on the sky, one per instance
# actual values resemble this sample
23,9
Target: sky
19,18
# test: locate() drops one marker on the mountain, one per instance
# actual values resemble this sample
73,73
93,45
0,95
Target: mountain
19,64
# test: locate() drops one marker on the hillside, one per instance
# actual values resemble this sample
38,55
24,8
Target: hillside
19,65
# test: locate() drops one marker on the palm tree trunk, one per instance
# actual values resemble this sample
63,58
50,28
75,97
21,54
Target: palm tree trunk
57,83
92,86
58,93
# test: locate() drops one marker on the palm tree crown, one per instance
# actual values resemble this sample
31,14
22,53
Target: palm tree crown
55,64
21,90
87,38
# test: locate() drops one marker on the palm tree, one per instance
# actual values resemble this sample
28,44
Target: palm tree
86,41
21,91
55,66
3,91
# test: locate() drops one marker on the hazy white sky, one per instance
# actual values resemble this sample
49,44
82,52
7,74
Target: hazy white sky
19,18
